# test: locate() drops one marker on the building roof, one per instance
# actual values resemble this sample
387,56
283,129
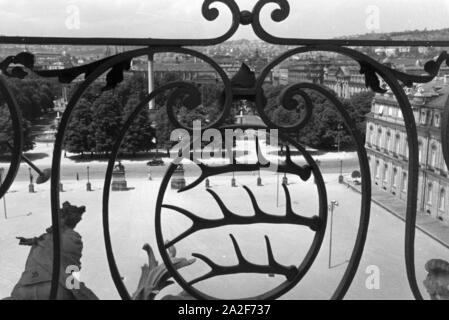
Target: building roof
183,67
434,94
439,102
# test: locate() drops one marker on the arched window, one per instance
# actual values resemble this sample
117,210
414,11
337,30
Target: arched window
442,200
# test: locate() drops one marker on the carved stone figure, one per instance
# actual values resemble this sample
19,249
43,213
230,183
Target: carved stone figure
437,281
35,282
119,167
155,276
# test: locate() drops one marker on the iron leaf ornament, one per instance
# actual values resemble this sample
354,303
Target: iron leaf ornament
27,60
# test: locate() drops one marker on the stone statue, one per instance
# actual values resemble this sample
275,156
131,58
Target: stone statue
437,281
35,282
155,277
119,166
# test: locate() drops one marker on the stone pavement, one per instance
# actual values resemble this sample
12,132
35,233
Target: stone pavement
132,223
434,228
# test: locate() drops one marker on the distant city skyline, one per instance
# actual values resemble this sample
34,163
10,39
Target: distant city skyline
182,18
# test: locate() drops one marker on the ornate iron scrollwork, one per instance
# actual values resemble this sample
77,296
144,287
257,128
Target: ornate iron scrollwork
293,274
189,95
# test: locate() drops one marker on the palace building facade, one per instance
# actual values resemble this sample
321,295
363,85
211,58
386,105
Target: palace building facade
387,147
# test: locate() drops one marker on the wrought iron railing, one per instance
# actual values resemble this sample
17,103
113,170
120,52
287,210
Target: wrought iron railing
188,93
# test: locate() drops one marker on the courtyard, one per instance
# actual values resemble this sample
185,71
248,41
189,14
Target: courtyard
132,225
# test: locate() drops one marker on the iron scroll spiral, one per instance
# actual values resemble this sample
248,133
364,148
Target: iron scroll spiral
372,69
179,89
366,191
369,67
66,119
293,274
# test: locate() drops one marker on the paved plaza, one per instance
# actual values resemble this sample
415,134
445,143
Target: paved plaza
132,225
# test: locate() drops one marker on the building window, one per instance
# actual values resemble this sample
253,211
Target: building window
404,182
442,200
385,174
437,121
423,117
370,133
398,144
387,141
391,111
395,177
376,170
381,110
379,137
429,193
433,156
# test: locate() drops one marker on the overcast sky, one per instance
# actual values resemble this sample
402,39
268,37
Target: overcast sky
182,18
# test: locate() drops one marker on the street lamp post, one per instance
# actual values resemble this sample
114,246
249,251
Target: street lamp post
339,127
333,205
2,170
340,177
31,185
88,185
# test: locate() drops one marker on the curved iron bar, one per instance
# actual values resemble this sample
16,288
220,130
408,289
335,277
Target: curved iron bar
16,150
361,57
445,133
302,268
66,119
363,161
390,78
244,266
230,218
370,68
107,183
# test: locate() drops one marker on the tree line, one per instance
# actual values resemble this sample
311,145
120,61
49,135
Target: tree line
35,97
99,116
325,128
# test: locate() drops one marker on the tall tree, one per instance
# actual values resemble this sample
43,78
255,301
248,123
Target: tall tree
79,137
107,112
140,135
7,133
